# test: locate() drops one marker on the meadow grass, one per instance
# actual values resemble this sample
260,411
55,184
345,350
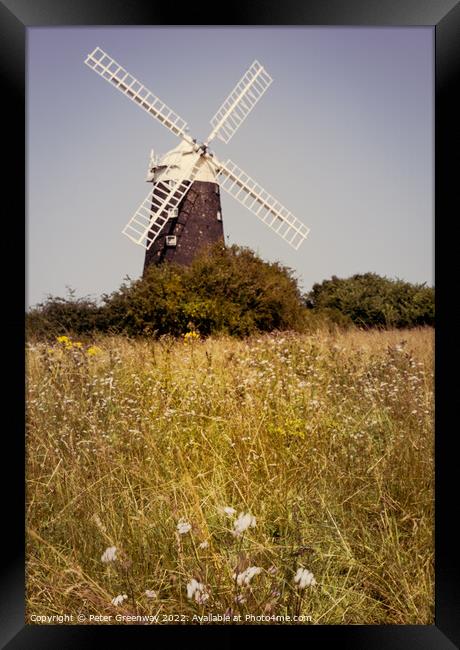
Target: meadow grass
325,439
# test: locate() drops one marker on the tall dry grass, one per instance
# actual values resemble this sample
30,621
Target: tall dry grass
326,439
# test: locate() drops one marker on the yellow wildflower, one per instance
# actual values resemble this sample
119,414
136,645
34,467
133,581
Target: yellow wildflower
78,345
93,350
63,339
191,336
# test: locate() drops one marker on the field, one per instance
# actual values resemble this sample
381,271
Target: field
279,476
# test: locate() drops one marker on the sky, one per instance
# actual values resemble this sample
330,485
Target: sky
343,138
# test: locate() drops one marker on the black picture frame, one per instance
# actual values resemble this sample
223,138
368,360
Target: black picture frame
16,16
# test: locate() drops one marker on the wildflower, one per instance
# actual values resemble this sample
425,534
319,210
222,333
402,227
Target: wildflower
243,522
304,578
78,345
204,544
93,350
244,578
109,555
65,341
191,336
197,591
99,524
150,594
118,600
229,511
183,527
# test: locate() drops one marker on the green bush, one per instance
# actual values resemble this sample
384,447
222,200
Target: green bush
228,290
225,290
370,300
232,290
68,315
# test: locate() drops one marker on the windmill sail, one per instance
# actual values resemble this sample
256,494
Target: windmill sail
250,194
240,102
158,207
116,75
163,201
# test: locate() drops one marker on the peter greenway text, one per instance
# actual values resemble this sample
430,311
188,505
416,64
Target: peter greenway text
145,619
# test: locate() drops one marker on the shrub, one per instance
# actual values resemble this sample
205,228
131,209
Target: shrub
370,300
231,290
69,315
227,290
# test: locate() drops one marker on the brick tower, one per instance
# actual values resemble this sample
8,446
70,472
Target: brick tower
196,221
197,224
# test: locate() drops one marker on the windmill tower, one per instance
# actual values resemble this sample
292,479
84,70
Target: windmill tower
197,219
182,212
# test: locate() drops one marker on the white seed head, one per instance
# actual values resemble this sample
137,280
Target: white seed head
192,586
183,527
304,578
245,577
109,555
118,600
197,591
244,521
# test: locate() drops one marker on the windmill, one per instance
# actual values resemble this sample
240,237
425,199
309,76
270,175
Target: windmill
182,212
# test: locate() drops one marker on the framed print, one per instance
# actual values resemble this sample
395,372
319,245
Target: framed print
229,440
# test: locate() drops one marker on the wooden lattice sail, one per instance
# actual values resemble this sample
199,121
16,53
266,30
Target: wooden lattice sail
182,211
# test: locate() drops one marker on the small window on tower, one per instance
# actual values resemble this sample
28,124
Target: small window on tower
172,213
219,215
171,240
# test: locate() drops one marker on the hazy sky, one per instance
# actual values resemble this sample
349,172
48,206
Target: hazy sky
344,138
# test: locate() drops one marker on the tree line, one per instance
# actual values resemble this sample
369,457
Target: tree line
231,290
